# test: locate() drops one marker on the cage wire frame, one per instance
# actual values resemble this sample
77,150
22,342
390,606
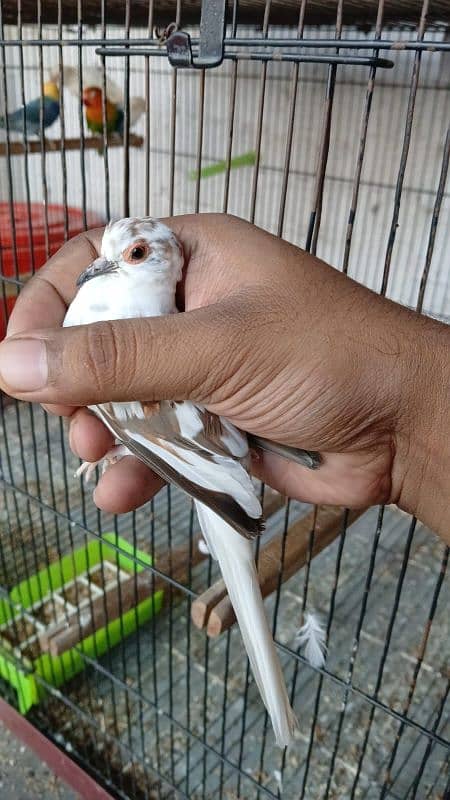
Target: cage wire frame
169,711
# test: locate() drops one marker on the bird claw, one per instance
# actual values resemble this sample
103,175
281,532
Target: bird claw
87,468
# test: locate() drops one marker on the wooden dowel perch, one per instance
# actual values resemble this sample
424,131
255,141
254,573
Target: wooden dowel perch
56,145
213,609
61,636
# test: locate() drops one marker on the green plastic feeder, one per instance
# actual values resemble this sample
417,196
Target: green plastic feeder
56,670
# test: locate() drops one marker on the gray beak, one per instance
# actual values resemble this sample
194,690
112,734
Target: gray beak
101,266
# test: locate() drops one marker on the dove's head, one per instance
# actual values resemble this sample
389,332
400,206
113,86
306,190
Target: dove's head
142,249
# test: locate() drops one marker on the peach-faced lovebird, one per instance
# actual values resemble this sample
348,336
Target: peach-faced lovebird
93,103
205,455
27,118
93,82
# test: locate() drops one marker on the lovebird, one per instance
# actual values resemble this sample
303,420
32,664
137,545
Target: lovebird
31,112
205,455
93,80
93,103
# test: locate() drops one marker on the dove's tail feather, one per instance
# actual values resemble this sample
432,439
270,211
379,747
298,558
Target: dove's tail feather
235,556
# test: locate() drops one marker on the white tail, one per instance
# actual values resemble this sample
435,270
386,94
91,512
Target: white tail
236,561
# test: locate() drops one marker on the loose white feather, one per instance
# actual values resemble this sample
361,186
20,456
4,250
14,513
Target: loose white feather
237,564
311,637
277,774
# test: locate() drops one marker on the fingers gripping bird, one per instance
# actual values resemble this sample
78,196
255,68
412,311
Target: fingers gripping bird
27,118
136,276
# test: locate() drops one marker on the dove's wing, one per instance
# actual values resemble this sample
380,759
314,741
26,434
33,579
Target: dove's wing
201,453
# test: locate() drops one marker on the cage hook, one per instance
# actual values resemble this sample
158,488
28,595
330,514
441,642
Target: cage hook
211,44
162,34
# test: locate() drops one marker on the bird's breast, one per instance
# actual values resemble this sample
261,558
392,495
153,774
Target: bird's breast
108,297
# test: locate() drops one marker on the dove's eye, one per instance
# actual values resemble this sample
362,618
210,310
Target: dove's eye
138,252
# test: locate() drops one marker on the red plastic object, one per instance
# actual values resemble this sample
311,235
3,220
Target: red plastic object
30,250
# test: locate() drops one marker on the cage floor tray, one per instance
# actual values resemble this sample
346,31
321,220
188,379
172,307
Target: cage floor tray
49,597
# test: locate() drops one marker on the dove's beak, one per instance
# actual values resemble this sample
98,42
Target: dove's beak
101,266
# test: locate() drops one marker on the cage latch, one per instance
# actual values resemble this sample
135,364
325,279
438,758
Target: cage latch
211,43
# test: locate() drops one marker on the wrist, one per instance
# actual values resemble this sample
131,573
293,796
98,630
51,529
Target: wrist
421,471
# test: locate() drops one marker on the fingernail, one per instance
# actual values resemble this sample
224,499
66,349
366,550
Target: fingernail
23,364
72,424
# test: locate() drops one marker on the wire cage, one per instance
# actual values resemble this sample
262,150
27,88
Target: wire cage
325,123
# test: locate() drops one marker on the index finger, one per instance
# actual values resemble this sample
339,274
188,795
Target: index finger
43,301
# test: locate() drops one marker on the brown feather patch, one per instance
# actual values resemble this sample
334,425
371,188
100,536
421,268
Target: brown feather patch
150,408
211,425
163,429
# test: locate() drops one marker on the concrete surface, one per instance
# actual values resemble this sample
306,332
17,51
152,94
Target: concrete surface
23,776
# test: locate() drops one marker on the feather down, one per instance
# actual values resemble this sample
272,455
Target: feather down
312,637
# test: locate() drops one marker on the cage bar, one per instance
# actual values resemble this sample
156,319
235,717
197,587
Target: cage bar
326,124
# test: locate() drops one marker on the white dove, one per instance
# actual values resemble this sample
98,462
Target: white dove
136,276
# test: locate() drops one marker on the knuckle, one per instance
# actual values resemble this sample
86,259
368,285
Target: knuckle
221,350
231,220
86,240
102,360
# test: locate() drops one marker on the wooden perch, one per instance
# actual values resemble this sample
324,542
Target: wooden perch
213,609
17,148
61,636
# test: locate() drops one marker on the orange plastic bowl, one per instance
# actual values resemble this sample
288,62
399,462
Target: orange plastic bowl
24,246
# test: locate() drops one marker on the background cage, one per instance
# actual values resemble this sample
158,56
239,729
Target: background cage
327,124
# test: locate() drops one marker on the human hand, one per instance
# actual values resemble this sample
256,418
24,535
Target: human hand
282,344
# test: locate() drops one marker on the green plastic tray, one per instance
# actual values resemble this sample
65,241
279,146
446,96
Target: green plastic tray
56,670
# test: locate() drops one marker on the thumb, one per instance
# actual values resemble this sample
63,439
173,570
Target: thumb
180,356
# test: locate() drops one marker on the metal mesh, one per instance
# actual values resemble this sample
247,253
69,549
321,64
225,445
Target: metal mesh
349,160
